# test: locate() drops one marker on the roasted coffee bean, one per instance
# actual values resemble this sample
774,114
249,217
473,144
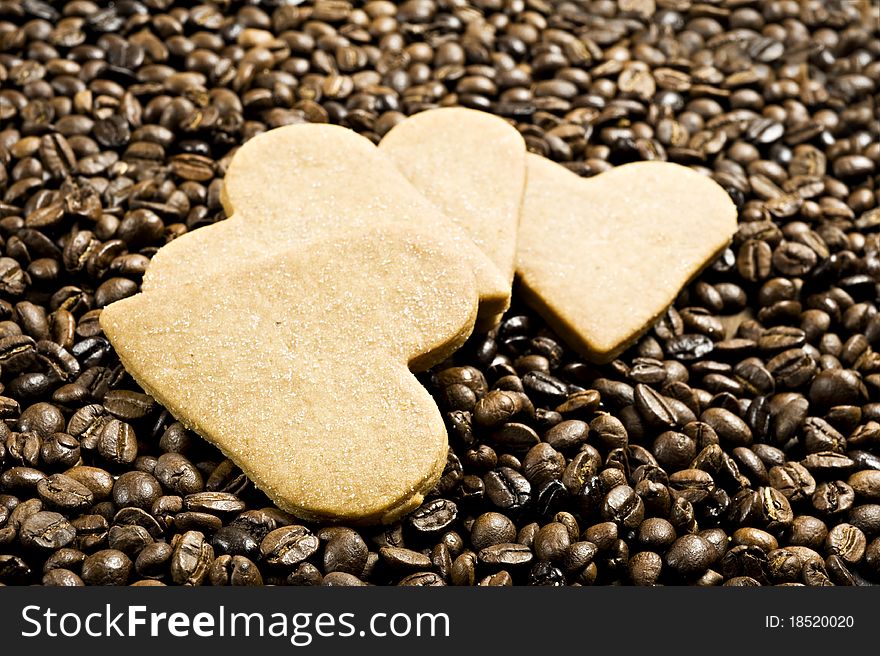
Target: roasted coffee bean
623,506
866,484
792,368
346,551
552,542
776,511
46,530
645,568
544,387
832,497
516,436
731,430
690,555
118,443
213,502
127,405
543,463
568,434
178,474
434,516
656,533
746,560
191,558
235,541
234,570
847,542
499,406
835,387
106,567
674,450
98,481
288,545
694,485
136,488
64,493
398,558
60,450
653,408
505,554
507,489
130,540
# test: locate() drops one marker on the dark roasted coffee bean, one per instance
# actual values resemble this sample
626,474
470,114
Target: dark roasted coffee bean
178,474
288,546
136,488
623,506
106,567
507,489
190,559
656,533
515,436
153,559
866,484
127,405
674,450
792,368
544,387
543,463
505,554
499,406
213,502
60,450
567,434
399,558
64,493
235,541
653,408
434,516
345,552
690,555
130,539
118,443
731,430
552,542
835,387
46,530
847,542
98,481
645,568
746,560
833,497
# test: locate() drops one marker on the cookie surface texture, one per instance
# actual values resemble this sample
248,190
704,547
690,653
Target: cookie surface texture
300,182
472,166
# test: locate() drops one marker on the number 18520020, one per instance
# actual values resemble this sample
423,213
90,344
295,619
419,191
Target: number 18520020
809,622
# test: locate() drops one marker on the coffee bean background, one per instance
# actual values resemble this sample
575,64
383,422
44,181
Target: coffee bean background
737,443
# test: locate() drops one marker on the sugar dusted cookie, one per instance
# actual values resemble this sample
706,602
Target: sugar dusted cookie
602,258
297,365
471,165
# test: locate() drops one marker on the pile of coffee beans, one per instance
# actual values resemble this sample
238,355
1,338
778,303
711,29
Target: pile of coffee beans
737,443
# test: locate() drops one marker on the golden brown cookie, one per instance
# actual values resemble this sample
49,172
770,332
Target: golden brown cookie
602,258
297,366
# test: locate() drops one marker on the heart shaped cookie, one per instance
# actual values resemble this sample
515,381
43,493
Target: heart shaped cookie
602,258
471,165
297,366
299,182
